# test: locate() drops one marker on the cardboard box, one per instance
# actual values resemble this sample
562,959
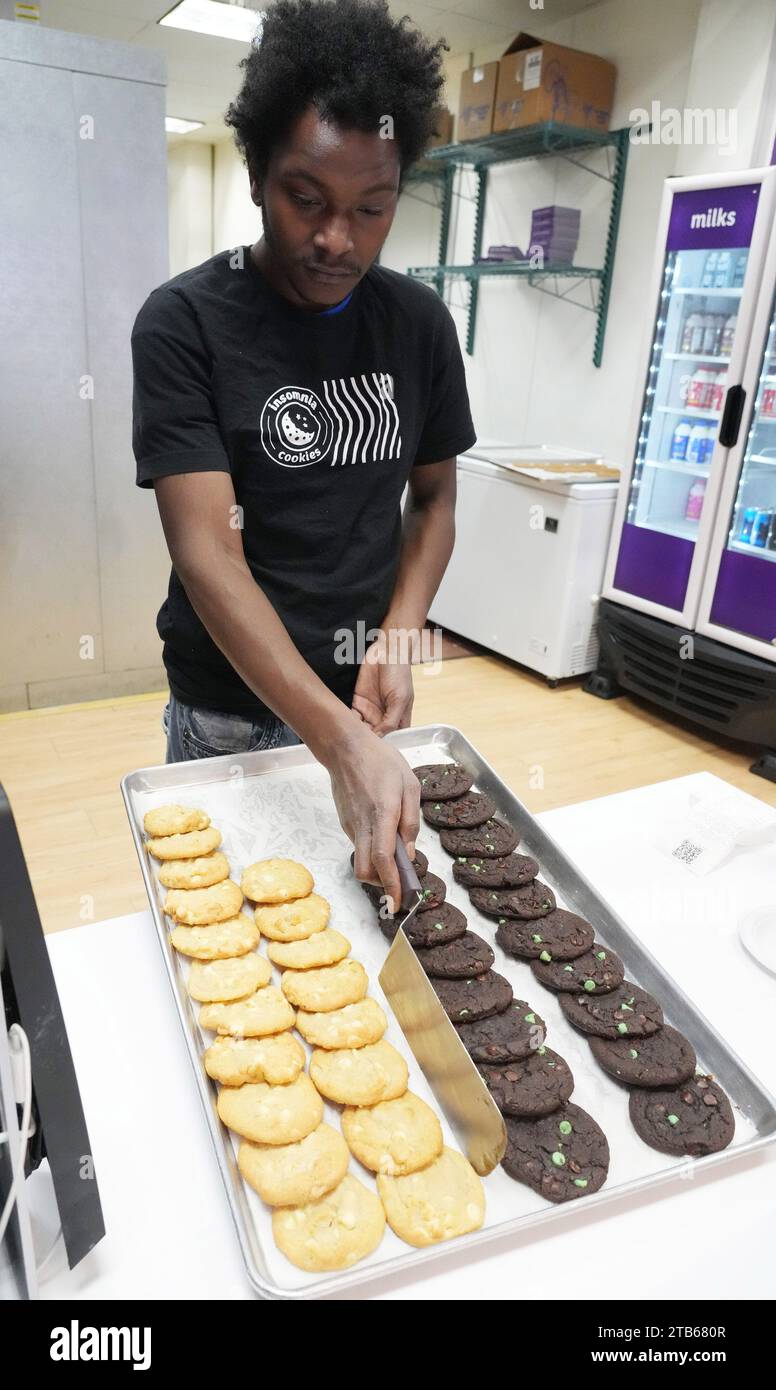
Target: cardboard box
543,82
478,95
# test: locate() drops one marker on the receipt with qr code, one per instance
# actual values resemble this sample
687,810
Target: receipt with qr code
716,823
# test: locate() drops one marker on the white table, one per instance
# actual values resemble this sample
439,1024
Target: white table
169,1227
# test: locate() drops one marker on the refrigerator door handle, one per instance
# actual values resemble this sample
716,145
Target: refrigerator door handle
731,416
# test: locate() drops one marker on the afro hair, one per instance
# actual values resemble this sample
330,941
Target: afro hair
351,60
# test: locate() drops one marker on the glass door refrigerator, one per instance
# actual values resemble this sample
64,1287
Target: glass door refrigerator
691,477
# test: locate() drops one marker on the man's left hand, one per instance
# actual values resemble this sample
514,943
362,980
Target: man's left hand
384,694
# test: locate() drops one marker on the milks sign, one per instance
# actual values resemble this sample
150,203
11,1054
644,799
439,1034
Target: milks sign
713,218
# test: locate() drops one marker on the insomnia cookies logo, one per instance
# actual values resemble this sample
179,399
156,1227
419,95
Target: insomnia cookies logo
296,428
357,421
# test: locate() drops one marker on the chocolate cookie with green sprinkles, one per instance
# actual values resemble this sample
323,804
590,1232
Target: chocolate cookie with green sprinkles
666,1058
625,1011
505,1037
465,1001
505,871
434,891
534,1086
695,1118
461,811
489,841
431,928
561,935
599,970
534,899
562,1156
457,960
440,781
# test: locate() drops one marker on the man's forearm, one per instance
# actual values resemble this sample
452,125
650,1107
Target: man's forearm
428,537
247,629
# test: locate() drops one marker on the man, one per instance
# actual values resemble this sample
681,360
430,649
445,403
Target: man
285,394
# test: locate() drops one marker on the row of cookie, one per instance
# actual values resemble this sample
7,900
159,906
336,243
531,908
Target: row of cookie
674,1108
566,1155
287,1154
429,1193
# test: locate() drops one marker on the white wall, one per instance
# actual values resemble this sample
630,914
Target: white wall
190,204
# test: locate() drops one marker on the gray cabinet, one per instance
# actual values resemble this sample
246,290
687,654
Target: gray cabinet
83,232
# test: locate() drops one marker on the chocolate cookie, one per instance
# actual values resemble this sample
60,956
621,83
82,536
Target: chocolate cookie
506,1037
664,1059
434,892
534,1086
506,871
561,935
458,960
464,1001
598,970
626,1009
489,841
694,1119
534,899
430,928
440,781
561,1156
460,811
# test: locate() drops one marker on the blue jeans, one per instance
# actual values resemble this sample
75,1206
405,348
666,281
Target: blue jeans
207,733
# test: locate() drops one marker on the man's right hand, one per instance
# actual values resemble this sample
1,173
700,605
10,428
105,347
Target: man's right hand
377,797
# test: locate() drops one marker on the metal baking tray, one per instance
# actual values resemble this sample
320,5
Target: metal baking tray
279,803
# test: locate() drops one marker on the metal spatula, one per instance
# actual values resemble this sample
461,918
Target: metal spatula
448,1068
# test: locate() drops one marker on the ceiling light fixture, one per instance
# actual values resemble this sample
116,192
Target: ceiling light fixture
176,125
224,19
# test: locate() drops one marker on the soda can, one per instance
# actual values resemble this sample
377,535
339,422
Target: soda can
747,524
771,541
761,527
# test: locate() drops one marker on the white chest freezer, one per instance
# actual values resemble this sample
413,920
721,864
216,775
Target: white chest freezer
528,563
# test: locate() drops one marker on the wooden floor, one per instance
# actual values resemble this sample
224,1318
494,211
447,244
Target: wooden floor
61,768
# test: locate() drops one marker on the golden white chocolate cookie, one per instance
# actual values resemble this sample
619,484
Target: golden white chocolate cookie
220,981
189,846
194,873
198,907
396,1136
233,938
174,820
356,1025
266,1011
293,921
276,881
359,1076
276,1059
442,1200
320,991
333,1233
289,1175
322,948
271,1114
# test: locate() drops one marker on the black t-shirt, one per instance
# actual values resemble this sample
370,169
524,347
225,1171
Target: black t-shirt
319,419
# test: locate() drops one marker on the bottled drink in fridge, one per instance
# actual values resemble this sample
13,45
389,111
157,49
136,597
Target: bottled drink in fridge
739,272
695,500
722,272
727,335
761,526
696,448
747,524
692,334
680,440
709,271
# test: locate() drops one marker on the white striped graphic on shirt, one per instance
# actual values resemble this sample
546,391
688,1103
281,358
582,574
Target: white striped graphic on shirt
366,422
